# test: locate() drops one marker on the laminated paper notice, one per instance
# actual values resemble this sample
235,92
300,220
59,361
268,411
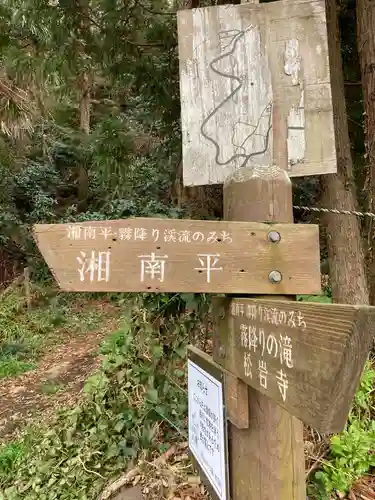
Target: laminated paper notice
207,427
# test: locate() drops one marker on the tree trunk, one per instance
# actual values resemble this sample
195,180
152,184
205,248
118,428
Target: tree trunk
345,251
85,109
85,104
366,49
84,84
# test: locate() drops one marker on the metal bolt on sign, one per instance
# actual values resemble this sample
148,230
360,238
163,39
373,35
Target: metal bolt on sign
275,277
274,236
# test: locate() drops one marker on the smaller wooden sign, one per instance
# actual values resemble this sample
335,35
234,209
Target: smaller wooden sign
207,422
174,255
308,357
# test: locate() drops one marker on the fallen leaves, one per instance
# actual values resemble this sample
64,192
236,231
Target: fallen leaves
168,477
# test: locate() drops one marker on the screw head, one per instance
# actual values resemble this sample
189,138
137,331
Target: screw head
275,276
222,351
274,236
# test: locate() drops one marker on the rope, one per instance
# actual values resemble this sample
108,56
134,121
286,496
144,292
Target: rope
335,211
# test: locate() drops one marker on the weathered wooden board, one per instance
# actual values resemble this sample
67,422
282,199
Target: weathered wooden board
255,89
307,357
172,255
236,401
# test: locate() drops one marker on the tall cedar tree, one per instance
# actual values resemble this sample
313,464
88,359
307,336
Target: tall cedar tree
345,250
366,49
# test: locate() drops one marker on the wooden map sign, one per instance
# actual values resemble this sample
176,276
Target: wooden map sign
255,89
174,255
308,357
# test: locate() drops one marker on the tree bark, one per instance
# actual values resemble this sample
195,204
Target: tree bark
84,84
345,250
366,49
85,111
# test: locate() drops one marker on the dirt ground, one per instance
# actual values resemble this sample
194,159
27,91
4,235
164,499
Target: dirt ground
56,383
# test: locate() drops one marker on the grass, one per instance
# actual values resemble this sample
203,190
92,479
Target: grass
25,335
10,454
51,387
13,367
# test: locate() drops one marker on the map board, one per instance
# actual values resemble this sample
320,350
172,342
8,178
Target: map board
207,423
255,90
175,255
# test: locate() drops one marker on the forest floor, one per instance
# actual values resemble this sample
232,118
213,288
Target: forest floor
57,382
47,353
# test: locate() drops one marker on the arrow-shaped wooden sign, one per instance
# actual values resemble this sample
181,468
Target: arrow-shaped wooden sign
308,357
174,255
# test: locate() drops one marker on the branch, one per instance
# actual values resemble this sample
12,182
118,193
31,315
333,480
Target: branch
88,470
130,475
137,44
156,12
92,21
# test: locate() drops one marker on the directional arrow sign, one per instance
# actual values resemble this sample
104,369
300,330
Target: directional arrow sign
174,255
308,357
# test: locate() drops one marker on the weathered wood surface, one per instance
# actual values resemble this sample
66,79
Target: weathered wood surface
308,357
171,255
267,458
255,89
237,401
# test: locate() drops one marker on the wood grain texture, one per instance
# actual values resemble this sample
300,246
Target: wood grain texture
236,401
255,89
307,357
267,459
168,255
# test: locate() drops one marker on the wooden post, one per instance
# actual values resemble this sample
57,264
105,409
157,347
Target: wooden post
266,459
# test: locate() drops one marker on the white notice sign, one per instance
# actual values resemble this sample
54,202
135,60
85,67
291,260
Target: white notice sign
206,426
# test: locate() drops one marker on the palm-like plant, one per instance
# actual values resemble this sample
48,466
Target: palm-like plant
17,109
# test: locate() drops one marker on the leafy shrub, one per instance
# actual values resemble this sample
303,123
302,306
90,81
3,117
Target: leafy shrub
136,402
351,452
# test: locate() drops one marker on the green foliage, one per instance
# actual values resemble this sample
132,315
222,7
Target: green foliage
9,456
25,335
133,147
13,367
51,387
364,396
322,299
351,453
136,402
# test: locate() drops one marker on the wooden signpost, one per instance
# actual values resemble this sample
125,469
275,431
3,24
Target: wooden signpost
262,112
174,255
307,357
